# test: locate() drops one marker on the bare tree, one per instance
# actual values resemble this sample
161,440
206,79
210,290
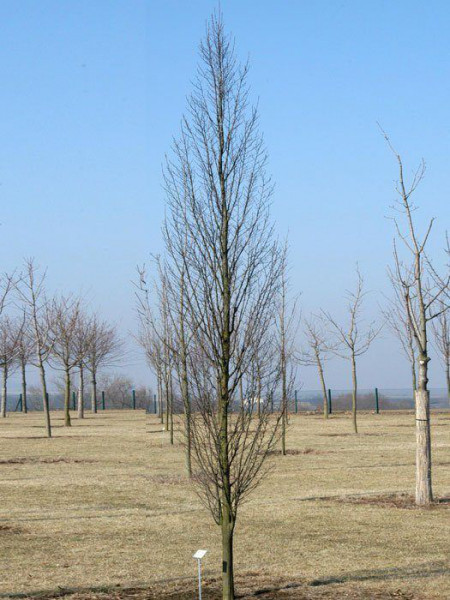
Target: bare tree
10,333
287,325
350,341
396,316
24,352
441,331
219,234
104,348
63,322
81,348
31,294
317,353
423,289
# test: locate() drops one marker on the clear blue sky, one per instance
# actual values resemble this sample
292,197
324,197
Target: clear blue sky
92,92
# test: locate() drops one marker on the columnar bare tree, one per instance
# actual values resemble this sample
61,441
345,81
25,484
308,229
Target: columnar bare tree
441,331
317,353
31,295
63,321
350,341
104,348
221,238
426,296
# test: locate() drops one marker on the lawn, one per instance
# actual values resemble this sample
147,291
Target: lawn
104,510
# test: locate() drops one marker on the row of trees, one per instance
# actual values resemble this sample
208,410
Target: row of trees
222,328
53,331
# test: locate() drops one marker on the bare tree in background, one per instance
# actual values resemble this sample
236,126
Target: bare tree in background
318,352
221,236
24,351
31,295
426,297
104,348
10,333
63,322
287,325
351,341
396,316
81,348
441,332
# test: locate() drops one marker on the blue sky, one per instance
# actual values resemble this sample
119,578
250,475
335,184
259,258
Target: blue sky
93,91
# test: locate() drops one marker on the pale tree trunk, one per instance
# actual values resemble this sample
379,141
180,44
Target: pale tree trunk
160,399
93,392
24,386
414,379
67,422
4,390
81,394
354,394
424,493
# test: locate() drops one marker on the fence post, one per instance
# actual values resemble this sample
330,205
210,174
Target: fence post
133,394
74,405
377,402
154,403
20,402
103,400
271,403
329,402
296,402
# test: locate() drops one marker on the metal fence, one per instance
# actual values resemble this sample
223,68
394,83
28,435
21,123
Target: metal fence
375,399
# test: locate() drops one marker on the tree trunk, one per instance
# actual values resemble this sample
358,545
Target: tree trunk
45,401
24,386
354,394
171,410
324,388
81,394
447,372
227,556
160,400
424,493
414,378
93,392
4,390
67,422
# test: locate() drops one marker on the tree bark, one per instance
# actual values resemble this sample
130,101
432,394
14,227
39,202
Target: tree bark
67,422
4,390
227,557
24,387
81,394
354,394
447,372
45,401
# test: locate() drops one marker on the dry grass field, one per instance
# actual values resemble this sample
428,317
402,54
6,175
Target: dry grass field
103,510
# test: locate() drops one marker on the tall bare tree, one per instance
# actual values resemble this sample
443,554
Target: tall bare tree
350,340
63,322
31,295
317,353
423,290
219,234
104,349
441,331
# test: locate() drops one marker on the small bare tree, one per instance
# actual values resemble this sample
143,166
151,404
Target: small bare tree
426,296
81,348
104,349
350,341
31,294
10,333
63,322
24,353
318,353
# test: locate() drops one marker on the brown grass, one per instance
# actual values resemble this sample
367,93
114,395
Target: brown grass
104,510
